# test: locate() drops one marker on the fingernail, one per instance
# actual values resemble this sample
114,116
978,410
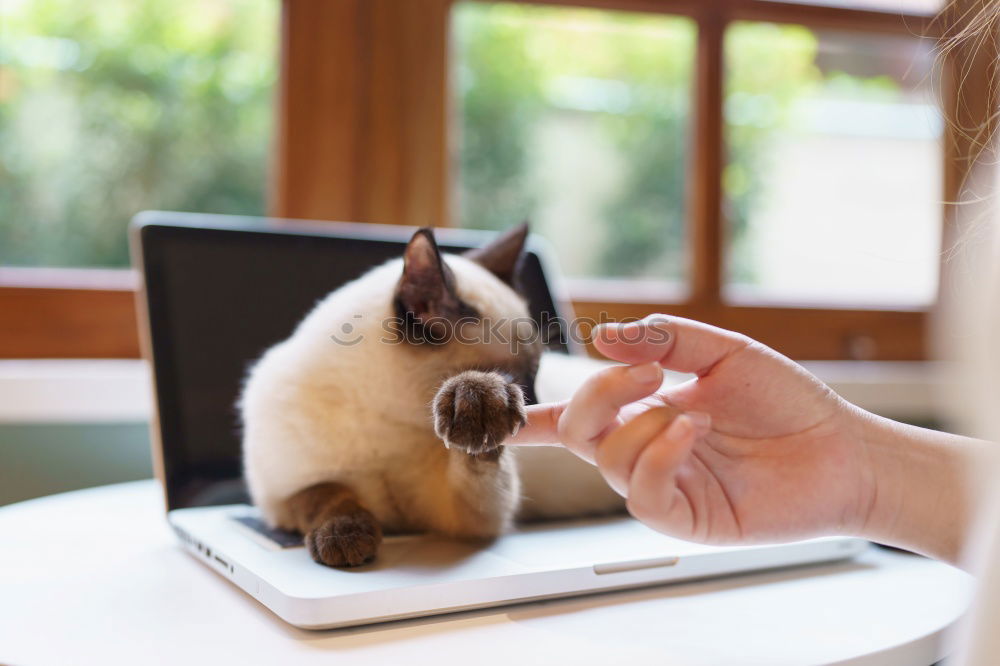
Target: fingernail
646,373
679,428
701,422
600,332
660,324
616,328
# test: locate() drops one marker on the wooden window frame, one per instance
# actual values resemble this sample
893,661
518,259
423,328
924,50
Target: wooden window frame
362,134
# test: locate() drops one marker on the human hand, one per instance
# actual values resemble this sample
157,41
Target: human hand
753,448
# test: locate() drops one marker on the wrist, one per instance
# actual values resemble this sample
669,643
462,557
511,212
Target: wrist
921,485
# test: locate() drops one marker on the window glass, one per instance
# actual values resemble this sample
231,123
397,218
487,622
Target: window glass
833,184
110,107
576,120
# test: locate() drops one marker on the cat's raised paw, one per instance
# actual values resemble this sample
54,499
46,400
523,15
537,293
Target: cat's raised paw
476,411
346,540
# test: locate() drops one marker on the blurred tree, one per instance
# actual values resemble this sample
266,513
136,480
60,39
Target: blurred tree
510,59
110,108
646,231
500,89
767,67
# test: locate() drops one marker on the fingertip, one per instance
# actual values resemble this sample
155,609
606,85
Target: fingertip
674,443
541,428
636,342
680,428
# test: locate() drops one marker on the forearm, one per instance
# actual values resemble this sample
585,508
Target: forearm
927,487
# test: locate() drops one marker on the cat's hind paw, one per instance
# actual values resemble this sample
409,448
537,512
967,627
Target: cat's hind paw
476,411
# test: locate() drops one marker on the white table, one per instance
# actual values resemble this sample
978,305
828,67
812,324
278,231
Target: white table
95,576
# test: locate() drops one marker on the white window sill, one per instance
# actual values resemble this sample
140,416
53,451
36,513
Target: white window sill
115,391
74,391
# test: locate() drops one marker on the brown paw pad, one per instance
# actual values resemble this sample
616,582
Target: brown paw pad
349,540
476,411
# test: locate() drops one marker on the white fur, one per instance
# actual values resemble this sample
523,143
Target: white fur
315,410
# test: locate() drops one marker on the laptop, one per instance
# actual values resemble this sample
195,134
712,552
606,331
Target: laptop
217,292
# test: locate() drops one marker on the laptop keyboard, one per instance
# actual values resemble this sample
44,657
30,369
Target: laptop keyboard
282,538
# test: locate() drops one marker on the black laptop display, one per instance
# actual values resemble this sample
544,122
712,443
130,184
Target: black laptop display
220,290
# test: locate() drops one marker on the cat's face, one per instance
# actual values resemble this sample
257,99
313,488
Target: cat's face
443,302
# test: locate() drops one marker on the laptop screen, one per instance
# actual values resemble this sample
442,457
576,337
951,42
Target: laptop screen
221,290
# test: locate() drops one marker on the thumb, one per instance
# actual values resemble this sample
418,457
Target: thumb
676,343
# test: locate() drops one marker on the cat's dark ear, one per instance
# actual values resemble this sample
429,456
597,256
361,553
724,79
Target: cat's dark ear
426,290
503,256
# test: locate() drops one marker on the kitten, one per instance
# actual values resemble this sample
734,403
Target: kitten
386,408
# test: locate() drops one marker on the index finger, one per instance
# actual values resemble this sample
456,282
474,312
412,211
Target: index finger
542,427
593,411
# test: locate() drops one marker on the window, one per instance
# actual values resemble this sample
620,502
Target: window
578,119
384,115
833,182
112,107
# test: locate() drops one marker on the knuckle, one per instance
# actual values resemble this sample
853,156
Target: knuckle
602,456
746,342
569,430
609,452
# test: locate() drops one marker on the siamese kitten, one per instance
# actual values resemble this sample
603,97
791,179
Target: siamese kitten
386,409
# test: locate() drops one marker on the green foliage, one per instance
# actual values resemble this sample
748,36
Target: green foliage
113,107
512,56
510,60
767,67
501,96
646,218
